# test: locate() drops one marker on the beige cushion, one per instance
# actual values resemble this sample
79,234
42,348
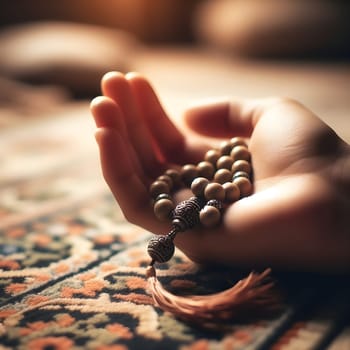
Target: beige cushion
68,54
274,27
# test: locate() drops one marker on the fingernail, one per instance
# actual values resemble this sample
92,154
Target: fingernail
98,133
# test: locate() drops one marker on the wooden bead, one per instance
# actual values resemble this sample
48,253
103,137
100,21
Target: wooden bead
174,175
232,192
163,196
225,147
163,208
212,156
238,141
167,179
241,165
222,176
224,162
214,191
158,187
188,173
186,213
161,248
240,152
245,186
240,174
206,169
215,203
198,186
209,216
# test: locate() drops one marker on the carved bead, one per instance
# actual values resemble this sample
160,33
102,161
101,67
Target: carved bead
161,248
186,213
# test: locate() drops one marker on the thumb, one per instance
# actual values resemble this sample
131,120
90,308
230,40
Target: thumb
238,116
222,118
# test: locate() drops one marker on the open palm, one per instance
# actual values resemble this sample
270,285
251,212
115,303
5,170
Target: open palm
296,215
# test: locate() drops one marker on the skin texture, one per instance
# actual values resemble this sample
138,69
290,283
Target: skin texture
297,217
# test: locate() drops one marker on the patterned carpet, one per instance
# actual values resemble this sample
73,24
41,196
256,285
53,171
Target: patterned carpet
72,270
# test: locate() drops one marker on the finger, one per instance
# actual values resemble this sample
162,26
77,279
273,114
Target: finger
107,114
275,227
287,219
119,172
168,139
220,118
236,116
116,86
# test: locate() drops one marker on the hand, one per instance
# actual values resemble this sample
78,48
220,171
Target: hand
298,215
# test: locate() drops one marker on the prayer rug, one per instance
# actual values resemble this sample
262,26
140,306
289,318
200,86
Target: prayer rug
72,270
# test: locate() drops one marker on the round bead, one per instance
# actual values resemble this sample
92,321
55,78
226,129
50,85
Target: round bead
163,208
188,173
240,152
158,187
224,162
222,176
232,192
198,185
206,169
215,203
167,179
214,191
225,147
209,216
245,186
161,248
174,175
212,156
238,141
240,174
241,165
163,196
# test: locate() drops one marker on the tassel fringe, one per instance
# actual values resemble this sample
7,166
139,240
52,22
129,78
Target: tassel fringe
252,294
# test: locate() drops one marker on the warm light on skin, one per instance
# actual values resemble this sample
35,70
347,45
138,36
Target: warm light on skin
296,217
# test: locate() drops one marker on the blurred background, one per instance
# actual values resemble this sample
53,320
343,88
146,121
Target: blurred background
59,50
57,215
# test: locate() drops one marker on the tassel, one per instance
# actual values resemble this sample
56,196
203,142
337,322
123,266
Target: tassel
251,294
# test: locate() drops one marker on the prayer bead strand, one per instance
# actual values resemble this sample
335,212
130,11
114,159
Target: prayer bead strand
223,177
